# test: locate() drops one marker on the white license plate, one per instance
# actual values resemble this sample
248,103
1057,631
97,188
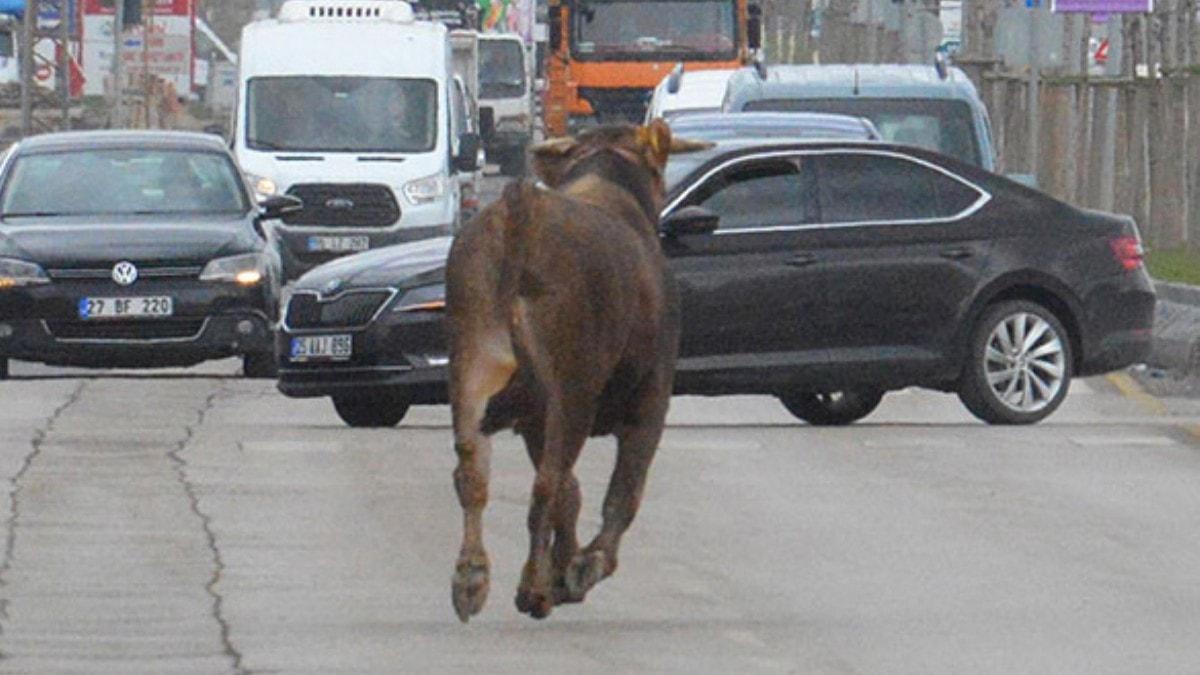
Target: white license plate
126,308
322,348
339,244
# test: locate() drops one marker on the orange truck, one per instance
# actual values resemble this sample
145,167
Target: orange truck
606,56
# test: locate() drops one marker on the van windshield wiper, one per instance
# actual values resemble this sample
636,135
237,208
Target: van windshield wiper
35,214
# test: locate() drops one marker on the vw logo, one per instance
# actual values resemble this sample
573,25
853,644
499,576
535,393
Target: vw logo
339,204
124,273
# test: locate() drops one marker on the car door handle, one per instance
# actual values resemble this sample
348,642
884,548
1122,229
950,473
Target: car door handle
802,260
957,253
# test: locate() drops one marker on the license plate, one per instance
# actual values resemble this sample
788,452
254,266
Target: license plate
322,348
126,308
339,244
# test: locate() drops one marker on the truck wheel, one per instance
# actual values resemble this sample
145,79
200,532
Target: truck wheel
1018,367
834,409
371,409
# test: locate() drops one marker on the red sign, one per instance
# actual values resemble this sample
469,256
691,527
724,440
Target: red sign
161,7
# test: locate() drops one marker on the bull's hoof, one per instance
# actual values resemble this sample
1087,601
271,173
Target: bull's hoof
535,605
469,588
586,570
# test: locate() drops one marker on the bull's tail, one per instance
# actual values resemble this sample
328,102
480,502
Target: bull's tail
520,199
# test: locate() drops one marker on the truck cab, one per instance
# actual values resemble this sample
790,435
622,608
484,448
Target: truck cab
505,99
349,106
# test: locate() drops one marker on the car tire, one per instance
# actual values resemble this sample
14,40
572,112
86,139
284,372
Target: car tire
260,366
371,411
833,409
1004,382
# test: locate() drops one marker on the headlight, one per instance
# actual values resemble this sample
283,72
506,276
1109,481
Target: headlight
263,186
244,270
425,190
15,273
422,299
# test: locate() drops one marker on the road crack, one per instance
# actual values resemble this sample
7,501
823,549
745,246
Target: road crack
189,488
14,493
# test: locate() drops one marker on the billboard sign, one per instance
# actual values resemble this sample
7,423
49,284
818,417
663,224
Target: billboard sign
163,45
1103,6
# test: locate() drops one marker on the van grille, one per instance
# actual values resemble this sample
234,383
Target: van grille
351,310
336,205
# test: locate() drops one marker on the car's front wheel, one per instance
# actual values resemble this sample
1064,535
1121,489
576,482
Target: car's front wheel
260,365
371,409
1019,364
833,409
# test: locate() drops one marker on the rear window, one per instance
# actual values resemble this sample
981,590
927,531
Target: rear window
939,125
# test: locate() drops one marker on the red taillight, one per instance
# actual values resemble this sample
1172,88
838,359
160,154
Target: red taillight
1129,252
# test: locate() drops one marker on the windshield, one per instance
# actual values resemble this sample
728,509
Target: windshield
696,29
122,182
341,114
501,69
934,124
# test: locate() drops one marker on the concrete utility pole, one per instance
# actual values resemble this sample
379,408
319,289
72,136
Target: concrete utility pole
59,36
118,105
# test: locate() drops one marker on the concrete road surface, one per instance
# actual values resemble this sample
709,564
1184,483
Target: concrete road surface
195,522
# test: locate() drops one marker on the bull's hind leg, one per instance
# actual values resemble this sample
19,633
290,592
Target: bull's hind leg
566,512
636,445
475,376
555,501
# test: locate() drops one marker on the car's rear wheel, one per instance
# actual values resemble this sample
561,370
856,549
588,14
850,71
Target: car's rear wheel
1019,364
371,409
260,365
832,409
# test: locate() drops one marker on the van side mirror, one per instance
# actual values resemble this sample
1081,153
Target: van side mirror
278,206
468,152
754,27
556,28
690,220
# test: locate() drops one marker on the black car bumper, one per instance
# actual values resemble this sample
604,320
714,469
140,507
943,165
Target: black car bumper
398,350
1120,322
209,321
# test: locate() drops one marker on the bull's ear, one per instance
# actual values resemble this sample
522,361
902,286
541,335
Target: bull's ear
682,145
655,139
550,159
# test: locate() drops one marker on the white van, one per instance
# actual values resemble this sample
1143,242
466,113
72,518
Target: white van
348,106
685,93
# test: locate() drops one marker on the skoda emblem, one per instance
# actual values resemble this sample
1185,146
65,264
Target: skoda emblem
124,273
339,204
333,286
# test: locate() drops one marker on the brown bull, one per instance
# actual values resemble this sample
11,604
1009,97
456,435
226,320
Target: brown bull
563,323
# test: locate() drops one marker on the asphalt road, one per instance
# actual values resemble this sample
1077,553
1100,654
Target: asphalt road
194,521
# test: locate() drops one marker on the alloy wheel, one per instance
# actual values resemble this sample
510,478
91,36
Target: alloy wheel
1025,362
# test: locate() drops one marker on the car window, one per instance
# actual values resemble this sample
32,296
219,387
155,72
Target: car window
863,187
761,193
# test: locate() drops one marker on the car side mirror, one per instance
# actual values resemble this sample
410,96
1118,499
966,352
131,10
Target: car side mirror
487,121
468,152
278,206
690,220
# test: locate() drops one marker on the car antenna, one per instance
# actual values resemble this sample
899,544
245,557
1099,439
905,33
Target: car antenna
675,78
856,80
760,67
941,65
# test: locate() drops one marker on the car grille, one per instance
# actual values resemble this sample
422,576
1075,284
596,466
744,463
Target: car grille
350,310
126,331
144,272
334,205
626,104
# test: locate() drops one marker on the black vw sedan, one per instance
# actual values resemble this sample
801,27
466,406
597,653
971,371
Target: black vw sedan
133,249
825,273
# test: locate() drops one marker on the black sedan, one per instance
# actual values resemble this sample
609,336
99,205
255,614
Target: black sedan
133,249
824,273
